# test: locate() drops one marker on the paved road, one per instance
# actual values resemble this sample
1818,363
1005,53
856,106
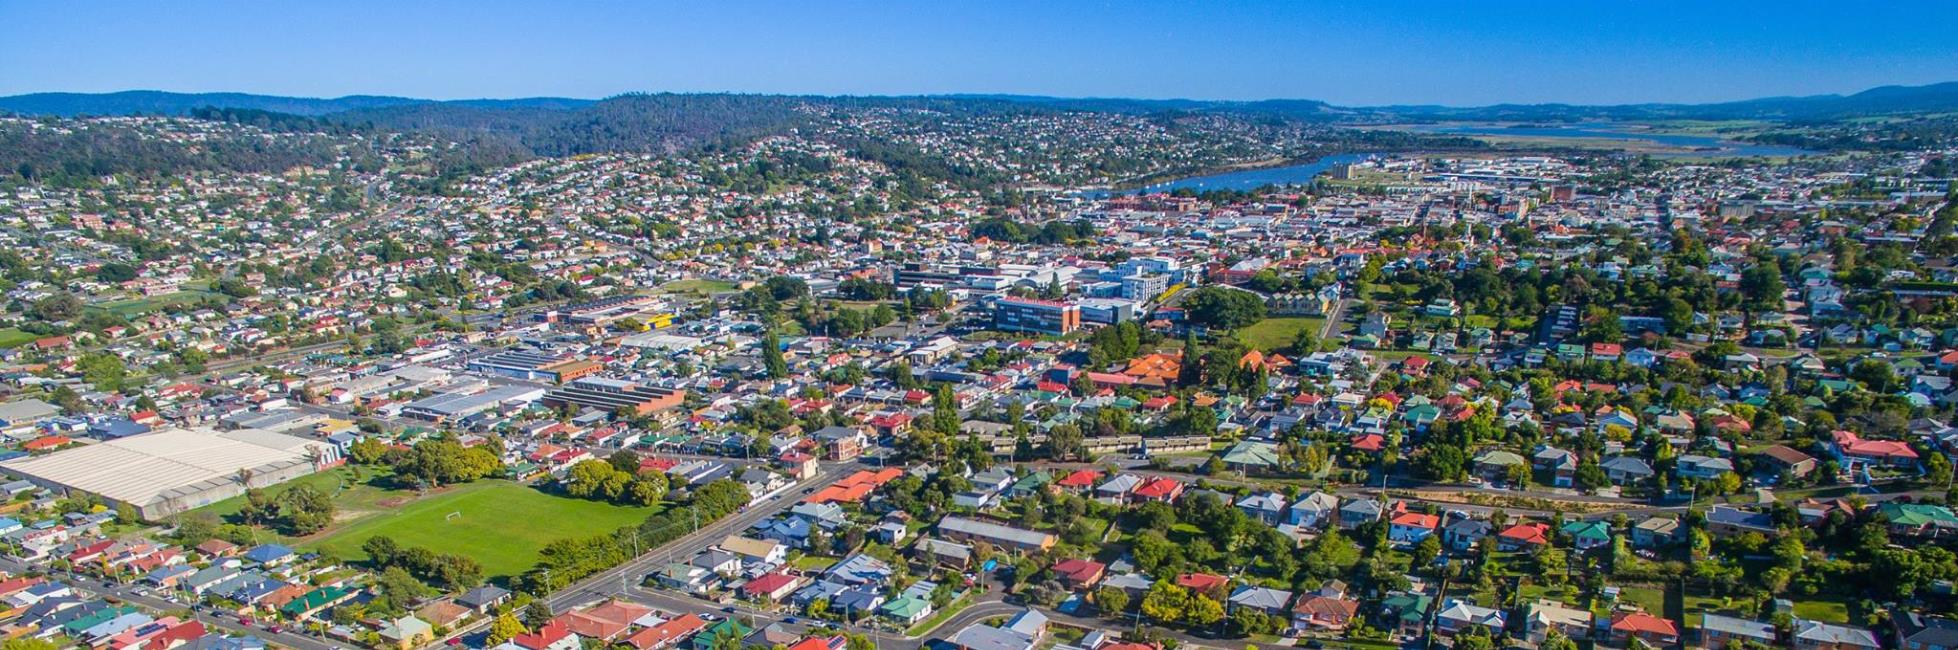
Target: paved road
158,605
619,579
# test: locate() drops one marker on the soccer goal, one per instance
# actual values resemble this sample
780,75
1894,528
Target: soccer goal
453,516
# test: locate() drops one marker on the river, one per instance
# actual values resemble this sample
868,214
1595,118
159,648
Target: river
1247,179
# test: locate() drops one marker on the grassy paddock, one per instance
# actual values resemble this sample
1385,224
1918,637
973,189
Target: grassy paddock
12,337
503,525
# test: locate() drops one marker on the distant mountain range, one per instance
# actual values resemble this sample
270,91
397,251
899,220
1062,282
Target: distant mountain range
384,110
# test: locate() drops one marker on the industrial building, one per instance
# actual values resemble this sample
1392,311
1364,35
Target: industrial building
451,406
611,395
174,470
534,366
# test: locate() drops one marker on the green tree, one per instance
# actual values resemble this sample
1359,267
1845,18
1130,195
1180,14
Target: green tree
1111,601
505,627
771,355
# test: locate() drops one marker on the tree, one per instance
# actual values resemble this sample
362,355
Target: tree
29,643
1203,611
1224,308
399,589
1165,602
1112,601
368,451
505,627
771,355
537,613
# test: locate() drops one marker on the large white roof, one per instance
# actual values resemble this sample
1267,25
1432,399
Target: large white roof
143,468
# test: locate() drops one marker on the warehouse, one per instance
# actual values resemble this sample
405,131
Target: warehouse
173,470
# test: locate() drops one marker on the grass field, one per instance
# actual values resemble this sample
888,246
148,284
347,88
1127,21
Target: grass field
703,287
140,306
12,337
1277,333
503,525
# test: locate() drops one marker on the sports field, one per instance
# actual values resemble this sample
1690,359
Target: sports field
501,524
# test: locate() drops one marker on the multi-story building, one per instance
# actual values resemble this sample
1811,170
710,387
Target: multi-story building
1040,316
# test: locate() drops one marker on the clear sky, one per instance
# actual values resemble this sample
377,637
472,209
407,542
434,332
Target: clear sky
1355,53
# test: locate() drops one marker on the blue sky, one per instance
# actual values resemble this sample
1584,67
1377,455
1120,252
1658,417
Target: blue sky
1353,53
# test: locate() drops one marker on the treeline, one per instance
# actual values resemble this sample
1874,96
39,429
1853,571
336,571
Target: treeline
86,151
445,570
1052,232
433,462
616,479
569,560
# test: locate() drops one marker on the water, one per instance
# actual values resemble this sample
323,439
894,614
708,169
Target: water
1248,179
1608,131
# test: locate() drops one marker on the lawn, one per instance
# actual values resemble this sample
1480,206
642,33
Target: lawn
815,562
12,337
1652,600
1822,610
503,525
1277,333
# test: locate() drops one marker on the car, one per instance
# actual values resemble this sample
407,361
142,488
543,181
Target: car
809,490
729,609
244,620
790,620
275,629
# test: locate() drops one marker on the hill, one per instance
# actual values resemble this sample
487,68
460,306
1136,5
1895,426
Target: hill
663,111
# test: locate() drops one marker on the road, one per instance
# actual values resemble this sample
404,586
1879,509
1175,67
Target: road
158,605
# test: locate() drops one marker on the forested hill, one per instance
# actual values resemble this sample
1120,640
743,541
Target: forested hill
156,102
539,113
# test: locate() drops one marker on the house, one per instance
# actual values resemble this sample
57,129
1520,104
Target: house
1021,632
1655,532
773,586
1626,470
1855,451
483,599
1406,613
1079,574
755,551
1457,616
1695,466
1327,610
1726,521
908,609
1412,527
1919,520
1161,488
1542,617
667,634
1654,631
1360,511
1494,464
1587,535
1916,631
1314,510
1264,599
1463,534
1788,460
1816,635
1268,507
1527,536
1721,632
407,632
